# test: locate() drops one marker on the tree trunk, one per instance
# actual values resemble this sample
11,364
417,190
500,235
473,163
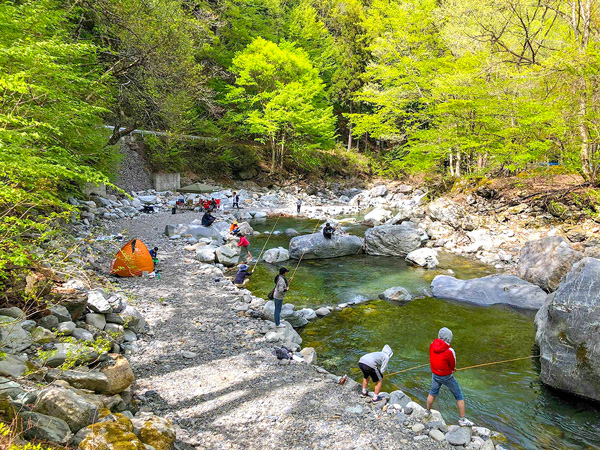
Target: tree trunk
451,164
273,153
350,138
457,170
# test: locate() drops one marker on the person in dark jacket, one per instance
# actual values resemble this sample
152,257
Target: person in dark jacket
236,201
208,219
443,364
243,276
372,366
328,231
213,204
282,285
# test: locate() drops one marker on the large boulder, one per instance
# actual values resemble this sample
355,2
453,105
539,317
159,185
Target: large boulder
200,231
316,246
118,374
447,211
98,303
154,431
424,257
286,335
13,336
66,405
206,254
392,240
91,380
568,332
12,366
490,290
228,255
546,261
396,294
45,428
276,255
112,432
377,216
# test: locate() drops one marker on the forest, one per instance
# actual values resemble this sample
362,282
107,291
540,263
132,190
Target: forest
384,88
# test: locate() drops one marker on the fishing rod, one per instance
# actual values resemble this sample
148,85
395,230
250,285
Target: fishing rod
302,256
266,242
471,367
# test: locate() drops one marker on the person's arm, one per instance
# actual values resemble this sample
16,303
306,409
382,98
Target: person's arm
452,360
386,360
249,273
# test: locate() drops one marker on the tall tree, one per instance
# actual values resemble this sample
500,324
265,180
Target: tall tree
279,98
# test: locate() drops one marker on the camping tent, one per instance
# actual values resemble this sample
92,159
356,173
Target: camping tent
199,188
132,260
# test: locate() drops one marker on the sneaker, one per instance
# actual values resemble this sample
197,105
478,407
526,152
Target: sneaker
427,413
281,325
364,394
377,399
464,422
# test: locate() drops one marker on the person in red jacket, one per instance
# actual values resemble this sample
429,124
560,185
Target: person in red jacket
245,244
443,364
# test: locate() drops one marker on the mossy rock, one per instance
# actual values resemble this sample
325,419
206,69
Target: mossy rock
115,432
558,210
159,433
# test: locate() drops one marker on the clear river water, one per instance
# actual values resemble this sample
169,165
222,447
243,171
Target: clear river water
508,397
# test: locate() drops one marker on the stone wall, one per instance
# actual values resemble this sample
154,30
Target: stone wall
166,181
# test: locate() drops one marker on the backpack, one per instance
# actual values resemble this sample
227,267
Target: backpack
283,353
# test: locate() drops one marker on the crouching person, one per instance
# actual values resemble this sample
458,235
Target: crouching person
243,276
373,365
443,364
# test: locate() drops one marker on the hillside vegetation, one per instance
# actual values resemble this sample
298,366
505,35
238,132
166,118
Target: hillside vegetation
384,88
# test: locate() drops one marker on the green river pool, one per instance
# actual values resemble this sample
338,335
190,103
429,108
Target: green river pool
508,397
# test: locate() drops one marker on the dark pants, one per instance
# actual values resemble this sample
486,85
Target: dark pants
235,205
298,208
277,314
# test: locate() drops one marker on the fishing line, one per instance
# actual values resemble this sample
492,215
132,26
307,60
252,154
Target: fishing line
266,242
302,256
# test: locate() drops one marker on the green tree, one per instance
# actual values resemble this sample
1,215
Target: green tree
278,97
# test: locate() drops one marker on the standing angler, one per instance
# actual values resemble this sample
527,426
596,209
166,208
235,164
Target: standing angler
282,285
443,364
373,365
236,201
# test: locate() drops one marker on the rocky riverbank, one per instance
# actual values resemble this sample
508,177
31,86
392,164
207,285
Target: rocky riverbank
207,364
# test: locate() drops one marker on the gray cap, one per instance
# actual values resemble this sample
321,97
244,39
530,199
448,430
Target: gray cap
445,335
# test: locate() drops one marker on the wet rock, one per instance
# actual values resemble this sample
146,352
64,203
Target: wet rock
45,428
458,435
13,336
118,373
490,290
316,246
424,257
66,405
276,255
323,311
98,303
295,318
396,294
546,261
12,366
392,240
567,330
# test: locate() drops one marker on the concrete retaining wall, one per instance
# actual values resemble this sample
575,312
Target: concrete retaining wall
91,188
166,181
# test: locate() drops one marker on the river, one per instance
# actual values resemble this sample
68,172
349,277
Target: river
507,397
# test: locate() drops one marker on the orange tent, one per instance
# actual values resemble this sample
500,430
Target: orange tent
133,259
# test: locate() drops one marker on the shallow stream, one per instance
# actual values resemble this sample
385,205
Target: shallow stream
507,397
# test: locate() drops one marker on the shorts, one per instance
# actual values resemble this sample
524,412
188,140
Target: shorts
449,381
368,371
